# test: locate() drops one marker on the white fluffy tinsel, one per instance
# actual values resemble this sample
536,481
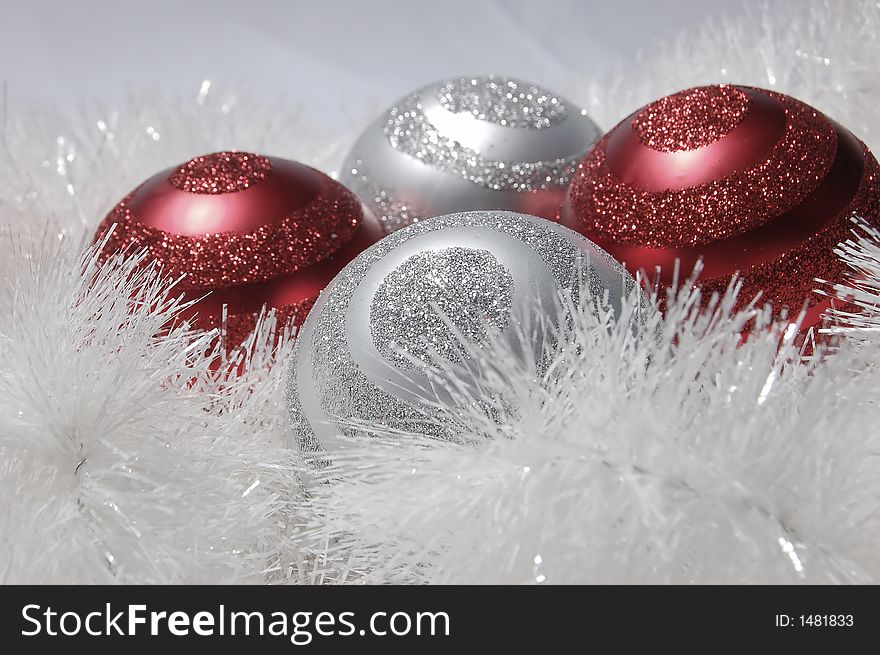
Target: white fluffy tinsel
682,458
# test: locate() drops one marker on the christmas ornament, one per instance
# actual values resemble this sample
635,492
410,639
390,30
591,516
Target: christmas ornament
423,292
469,143
750,180
247,230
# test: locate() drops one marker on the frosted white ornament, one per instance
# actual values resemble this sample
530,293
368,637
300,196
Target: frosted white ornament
432,292
469,143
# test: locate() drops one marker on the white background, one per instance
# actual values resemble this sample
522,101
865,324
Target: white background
330,56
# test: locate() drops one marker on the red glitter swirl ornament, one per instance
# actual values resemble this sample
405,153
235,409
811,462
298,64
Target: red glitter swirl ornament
749,180
247,230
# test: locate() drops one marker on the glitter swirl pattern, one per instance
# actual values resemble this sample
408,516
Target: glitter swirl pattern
691,119
469,143
409,131
344,391
776,222
230,258
220,172
790,279
416,306
503,101
720,209
233,254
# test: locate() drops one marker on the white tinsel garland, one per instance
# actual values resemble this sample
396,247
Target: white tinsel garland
686,458
125,457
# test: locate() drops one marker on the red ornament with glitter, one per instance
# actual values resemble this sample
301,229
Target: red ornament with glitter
247,230
749,180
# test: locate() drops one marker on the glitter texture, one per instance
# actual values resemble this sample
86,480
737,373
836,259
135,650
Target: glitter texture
300,239
220,172
410,313
691,119
346,393
717,210
409,131
776,222
503,101
240,269
789,280
469,143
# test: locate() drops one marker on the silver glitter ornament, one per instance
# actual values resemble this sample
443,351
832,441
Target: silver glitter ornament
469,143
429,293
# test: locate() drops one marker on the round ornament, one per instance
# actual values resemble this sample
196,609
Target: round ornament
436,288
245,231
749,180
466,144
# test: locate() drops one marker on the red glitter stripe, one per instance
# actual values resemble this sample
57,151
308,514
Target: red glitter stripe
768,241
724,208
746,145
232,258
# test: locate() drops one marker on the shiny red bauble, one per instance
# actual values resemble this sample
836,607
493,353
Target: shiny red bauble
751,181
245,231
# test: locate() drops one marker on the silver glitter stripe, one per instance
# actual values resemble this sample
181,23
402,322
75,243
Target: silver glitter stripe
347,394
409,131
503,101
414,307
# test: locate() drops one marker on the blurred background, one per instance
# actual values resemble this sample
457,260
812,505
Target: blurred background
332,57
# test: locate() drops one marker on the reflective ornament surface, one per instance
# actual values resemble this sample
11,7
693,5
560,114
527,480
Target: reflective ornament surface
434,290
469,143
747,179
247,230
